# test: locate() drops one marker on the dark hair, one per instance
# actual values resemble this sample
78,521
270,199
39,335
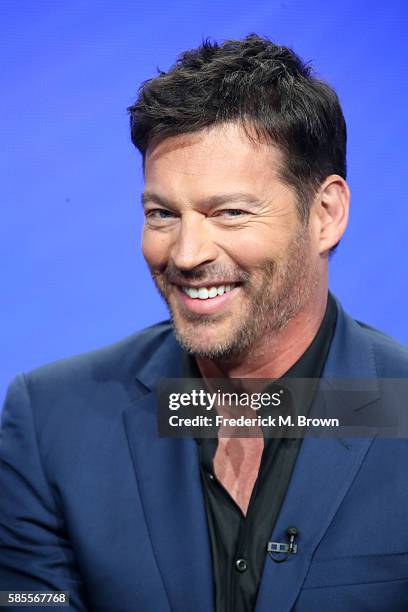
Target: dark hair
265,87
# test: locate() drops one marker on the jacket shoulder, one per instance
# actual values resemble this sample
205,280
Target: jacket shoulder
391,357
118,360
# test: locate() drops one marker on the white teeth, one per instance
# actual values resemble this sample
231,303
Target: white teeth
205,293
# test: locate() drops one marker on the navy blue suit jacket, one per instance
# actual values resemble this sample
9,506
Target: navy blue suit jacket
93,502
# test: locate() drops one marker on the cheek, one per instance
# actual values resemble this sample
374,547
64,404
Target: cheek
249,251
155,248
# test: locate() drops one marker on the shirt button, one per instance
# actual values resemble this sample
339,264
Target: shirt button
241,565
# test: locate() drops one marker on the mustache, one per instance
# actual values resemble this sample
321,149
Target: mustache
204,273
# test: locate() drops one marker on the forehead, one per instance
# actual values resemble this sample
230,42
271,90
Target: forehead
218,157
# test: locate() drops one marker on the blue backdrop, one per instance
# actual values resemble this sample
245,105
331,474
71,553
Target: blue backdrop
72,276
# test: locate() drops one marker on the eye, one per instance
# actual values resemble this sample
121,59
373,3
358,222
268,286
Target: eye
159,213
232,212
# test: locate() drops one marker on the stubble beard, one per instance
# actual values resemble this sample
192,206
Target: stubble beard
286,287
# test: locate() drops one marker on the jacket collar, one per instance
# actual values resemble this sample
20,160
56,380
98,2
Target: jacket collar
351,355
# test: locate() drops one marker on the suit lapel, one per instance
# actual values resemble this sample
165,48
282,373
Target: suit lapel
324,472
168,478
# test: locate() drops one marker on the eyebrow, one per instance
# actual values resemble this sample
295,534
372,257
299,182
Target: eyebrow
215,200
149,196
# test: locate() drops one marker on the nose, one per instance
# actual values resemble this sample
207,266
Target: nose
193,245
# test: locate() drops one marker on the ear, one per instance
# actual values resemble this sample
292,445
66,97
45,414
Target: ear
331,212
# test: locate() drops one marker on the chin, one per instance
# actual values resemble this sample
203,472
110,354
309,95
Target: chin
202,339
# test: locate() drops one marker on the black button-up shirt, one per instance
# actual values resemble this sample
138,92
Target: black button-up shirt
238,541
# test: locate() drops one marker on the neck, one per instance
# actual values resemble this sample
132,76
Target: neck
278,351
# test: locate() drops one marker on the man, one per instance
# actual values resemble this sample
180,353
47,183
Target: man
245,198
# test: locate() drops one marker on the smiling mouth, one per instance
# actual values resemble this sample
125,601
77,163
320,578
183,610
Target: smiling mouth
207,293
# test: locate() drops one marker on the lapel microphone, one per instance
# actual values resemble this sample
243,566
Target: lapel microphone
283,548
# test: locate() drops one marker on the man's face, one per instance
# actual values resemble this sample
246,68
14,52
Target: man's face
223,240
